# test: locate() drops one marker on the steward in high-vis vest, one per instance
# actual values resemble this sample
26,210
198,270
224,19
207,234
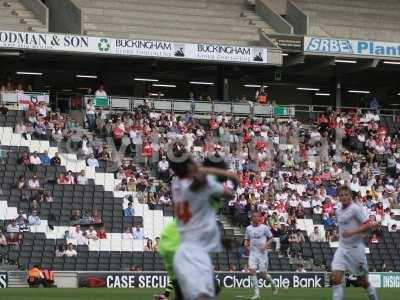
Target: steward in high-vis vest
35,277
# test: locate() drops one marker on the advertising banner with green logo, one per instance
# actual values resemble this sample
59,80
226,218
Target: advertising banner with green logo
37,41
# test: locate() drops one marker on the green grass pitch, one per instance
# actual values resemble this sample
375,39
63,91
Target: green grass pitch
147,294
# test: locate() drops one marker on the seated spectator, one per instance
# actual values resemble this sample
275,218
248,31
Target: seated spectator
122,186
157,244
300,269
24,159
131,186
56,160
70,179
244,251
96,218
35,159
374,239
294,244
81,179
165,200
22,183
76,216
127,235
75,233
23,225
317,210
3,239
163,169
316,235
34,219
92,161
149,246
138,233
70,251
101,234
393,228
60,251
13,227
34,183
129,211
91,233
83,240
62,178
45,159
105,155
329,221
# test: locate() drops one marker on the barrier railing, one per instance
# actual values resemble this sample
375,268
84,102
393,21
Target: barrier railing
196,107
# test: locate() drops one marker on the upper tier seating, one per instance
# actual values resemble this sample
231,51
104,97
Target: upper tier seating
356,19
217,21
15,16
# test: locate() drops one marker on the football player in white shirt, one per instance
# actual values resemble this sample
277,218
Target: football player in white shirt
353,223
198,228
260,238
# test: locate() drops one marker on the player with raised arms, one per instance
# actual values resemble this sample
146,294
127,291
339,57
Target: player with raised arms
353,223
260,239
198,228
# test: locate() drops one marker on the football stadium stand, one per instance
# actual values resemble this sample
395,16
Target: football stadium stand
358,19
23,15
295,198
220,21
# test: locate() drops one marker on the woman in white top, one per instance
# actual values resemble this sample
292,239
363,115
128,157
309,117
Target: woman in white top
127,235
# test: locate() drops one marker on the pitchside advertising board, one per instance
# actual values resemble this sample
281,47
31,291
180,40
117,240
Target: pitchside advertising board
132,47
225,280
3,280
346,47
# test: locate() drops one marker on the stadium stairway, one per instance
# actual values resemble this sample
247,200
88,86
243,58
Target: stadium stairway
219,21
15,16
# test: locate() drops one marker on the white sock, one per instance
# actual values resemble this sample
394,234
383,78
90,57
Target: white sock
271,281
254,281
371,292
337,292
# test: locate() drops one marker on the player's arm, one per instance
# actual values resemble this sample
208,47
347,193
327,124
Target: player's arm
268,243
360,230
366,224
220,173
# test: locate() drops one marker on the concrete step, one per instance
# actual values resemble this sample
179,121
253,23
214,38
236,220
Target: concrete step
14,4
344,21
124,18
193,33
346,9
355,4
373,18
31,22
241,24
14,27
317,30
173,26
170,3
159,10
362,33
181,39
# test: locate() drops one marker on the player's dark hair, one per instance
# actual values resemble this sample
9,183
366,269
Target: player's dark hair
179,160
